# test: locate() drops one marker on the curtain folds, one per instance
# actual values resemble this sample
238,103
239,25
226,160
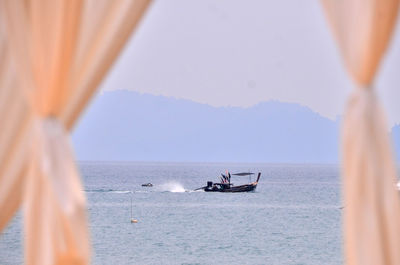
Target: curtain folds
54,54
371,200
362,29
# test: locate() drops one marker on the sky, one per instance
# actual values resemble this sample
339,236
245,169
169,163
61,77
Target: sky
240,53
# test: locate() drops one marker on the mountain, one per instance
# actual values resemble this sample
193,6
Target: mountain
126,125
396,140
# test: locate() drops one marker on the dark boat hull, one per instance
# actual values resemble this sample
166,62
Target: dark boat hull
241,188
228,187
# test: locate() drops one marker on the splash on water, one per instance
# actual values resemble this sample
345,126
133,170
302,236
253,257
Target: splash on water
121,191
172,187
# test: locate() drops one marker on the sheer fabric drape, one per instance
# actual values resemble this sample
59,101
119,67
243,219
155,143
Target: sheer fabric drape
54,54
363,29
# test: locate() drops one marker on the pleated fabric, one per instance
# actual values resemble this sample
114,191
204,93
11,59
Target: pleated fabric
363,29
53,56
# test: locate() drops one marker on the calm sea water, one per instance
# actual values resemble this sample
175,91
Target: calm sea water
294,216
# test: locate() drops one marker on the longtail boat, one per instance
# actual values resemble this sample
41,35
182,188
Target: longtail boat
226,186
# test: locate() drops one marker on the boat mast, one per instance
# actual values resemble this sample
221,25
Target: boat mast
132,220
131,204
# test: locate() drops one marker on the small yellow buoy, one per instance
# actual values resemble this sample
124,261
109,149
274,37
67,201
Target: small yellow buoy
134,221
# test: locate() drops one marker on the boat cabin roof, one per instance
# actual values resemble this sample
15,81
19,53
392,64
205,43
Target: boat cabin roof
243,174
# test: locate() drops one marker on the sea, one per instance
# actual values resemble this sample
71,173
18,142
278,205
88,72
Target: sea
293,217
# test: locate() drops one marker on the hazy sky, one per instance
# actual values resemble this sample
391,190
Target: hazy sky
239,53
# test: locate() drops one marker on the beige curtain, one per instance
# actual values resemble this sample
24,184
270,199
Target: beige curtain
53,56
363,29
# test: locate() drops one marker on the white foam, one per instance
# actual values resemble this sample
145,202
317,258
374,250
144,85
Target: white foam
107,191
172,187
120,191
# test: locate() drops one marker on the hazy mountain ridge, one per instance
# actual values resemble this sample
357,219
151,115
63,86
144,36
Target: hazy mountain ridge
396,140
126,125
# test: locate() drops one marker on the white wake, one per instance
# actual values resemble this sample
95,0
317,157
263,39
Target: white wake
172,187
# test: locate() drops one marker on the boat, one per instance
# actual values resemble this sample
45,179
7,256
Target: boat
147,185
226,186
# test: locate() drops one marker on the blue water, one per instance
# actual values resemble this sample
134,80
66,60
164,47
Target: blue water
294,216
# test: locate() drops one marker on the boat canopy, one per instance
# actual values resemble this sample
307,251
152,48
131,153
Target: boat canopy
243,174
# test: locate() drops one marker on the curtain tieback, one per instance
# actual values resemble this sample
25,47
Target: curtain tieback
371,213
55,206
